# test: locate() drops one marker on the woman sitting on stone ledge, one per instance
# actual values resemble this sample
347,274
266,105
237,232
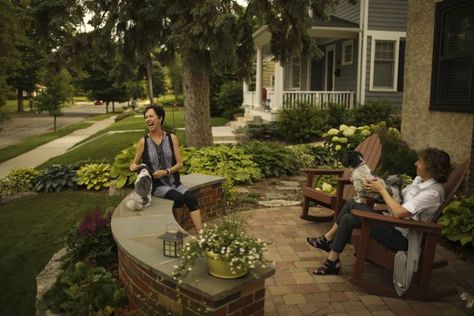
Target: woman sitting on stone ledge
159,150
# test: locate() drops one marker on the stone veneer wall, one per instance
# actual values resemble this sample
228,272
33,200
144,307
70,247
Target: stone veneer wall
421,128
154,295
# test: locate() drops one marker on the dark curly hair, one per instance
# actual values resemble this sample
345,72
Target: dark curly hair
437,163
160,112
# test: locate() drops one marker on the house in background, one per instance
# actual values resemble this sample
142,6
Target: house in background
438,101
364,48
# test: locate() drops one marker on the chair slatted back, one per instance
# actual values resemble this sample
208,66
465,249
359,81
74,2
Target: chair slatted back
455,179
371,150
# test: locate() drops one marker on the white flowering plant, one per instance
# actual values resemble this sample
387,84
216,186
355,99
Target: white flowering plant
229,240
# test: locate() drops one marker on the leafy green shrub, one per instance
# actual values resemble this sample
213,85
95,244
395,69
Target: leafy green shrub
336,115
303,155
57,178
458,220
228,100
262,131
273,159
397,157
18,180
321,155
120,168
94,176
230,162
374,112
91,240
81,290
302,123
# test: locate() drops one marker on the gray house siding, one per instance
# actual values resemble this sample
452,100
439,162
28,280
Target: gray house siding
347,11
388,15
395,98
347,79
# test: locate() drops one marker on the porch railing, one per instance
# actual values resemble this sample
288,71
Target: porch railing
319,98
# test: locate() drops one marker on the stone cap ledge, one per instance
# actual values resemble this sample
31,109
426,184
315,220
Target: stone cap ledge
136,234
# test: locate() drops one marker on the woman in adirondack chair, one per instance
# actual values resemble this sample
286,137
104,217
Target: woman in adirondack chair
420,200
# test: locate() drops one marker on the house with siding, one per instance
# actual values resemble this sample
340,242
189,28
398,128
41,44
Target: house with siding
364,49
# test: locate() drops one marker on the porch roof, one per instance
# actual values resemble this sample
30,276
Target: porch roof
333,28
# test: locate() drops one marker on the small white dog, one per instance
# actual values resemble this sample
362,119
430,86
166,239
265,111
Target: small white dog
360,173
141,197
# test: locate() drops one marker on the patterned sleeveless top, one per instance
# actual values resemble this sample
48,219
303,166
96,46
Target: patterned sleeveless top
161,157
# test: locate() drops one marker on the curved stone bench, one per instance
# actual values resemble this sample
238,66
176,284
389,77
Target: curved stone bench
146,273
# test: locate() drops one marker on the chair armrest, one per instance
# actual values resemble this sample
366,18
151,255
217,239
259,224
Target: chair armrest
344,181
399,222
323,171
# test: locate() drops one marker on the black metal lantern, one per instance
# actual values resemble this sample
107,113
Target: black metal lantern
172,241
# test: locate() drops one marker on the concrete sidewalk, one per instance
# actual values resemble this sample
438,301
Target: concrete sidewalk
54,148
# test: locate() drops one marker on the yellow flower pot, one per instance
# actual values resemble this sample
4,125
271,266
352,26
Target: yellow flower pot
221,269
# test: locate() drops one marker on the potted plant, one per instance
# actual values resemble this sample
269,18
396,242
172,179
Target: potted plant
231,253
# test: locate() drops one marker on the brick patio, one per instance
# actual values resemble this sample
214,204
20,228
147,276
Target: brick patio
294,290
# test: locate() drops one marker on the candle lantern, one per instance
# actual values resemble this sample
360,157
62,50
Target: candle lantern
172,241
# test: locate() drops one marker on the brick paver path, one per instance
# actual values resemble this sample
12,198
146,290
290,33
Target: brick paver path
294,290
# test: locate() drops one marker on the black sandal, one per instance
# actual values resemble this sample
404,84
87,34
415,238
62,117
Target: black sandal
329,267
319,242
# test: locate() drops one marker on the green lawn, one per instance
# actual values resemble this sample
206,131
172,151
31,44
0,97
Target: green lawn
31,235
35,141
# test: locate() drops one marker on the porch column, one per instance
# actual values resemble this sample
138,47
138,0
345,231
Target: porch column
277,102
245,89
258,83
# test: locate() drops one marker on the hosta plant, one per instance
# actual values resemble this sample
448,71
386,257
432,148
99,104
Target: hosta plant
120,169
57,178
273,159
18,180
227,239
458,221
230,162
94,176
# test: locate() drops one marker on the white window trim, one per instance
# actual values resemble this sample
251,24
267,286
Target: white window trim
344,45
330,48
381,36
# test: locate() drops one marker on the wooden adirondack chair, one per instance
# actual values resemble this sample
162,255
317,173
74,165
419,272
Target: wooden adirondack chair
371,150
370,250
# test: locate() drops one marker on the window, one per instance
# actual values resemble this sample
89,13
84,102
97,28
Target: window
452,82
384,65
295,73
347,53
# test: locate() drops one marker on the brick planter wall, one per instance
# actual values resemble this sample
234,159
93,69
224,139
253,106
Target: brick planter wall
153,294
211,204
147,273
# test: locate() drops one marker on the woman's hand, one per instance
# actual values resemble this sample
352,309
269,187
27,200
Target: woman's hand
160,173
373,185
133,167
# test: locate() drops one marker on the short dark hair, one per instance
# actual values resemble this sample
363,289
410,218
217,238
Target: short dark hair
160,112
437,163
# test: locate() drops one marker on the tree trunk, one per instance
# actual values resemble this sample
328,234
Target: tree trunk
54,116
149,74
106,106
196,101
113,106
19,97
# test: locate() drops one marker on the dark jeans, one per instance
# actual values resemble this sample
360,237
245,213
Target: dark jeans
385,234
181,199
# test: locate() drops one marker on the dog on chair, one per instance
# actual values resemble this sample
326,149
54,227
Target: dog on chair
361,173
141,196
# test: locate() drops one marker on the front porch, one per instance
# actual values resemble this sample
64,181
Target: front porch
291,98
